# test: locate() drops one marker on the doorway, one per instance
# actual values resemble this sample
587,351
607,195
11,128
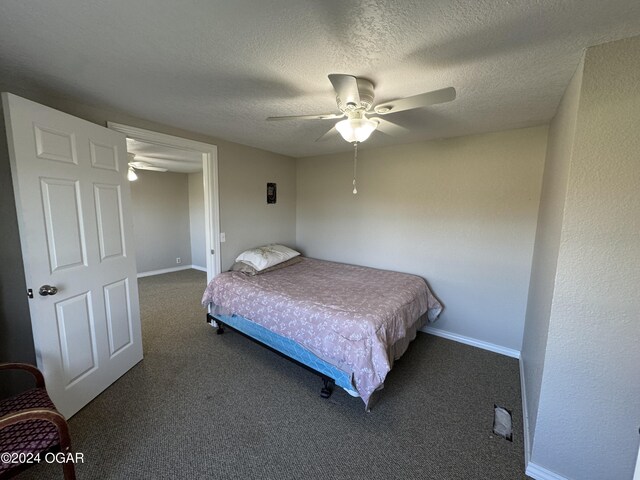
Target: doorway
144,143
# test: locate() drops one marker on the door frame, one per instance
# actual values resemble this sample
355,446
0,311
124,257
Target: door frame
209,155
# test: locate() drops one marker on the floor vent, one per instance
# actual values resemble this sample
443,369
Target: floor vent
502,422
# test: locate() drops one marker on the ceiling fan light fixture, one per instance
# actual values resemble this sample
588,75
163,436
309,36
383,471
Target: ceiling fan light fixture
131,175
356,129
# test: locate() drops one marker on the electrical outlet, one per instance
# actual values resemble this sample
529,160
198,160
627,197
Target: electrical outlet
178,260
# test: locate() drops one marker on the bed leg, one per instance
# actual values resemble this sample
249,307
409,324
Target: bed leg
215,323
327,389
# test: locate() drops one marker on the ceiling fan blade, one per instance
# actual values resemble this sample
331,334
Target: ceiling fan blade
390,128
321,116
346,87
331,133
154,169
416,101
147,166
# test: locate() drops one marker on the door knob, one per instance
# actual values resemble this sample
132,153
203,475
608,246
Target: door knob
47,290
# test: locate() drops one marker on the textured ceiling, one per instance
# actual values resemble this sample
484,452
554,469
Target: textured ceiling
221,67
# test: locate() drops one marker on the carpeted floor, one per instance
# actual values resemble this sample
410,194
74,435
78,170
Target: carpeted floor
206,406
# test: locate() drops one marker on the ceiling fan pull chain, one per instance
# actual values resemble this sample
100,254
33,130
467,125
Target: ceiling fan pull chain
355,166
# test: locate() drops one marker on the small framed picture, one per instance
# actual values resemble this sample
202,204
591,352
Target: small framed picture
271,193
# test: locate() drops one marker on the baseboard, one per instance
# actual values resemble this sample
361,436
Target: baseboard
509,352
196,267
163,270
539,473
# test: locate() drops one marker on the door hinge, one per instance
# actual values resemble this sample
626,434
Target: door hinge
29,293
213,252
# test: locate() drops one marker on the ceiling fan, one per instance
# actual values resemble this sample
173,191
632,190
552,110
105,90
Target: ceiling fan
355,96
140,165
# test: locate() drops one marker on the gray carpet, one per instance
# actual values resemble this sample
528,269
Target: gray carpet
206,406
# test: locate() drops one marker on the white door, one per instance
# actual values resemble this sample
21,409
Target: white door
73,206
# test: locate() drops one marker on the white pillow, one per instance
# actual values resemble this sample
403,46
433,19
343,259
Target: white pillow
267,256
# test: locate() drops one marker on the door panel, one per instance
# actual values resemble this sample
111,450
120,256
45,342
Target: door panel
116,298
109,216
73,203
63,219
55,145
104,156
77,337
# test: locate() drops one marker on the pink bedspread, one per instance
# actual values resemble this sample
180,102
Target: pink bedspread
347,315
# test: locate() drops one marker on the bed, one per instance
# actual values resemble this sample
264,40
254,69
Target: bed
346,322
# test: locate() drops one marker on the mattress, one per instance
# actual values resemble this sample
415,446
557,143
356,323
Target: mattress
356,318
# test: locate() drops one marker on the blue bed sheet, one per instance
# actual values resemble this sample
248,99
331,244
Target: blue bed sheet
289,348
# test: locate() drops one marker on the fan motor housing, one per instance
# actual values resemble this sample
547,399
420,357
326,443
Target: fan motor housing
366,93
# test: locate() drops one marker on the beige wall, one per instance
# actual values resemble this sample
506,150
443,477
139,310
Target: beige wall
459,212
588,411
547,245
160,208
245,217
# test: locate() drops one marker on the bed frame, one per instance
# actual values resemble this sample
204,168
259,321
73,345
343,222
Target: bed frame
222,322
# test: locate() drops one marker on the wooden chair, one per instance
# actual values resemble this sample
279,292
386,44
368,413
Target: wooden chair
30,425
